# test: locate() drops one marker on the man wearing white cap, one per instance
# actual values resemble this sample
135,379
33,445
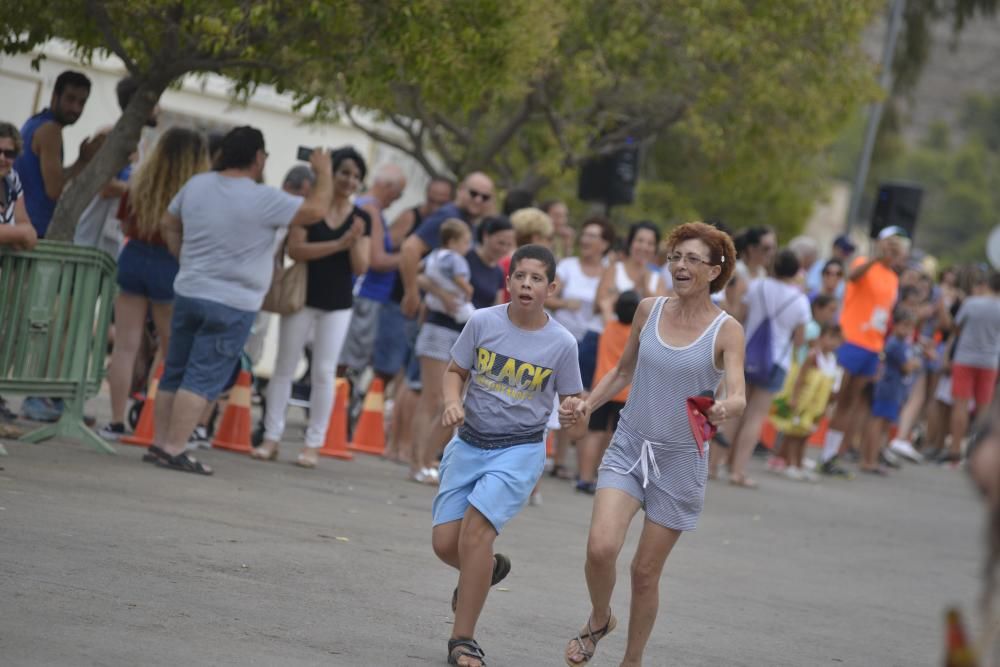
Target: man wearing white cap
872,286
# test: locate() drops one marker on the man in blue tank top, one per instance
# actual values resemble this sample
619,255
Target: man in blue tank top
40,166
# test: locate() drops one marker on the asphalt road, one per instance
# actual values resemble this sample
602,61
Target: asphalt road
105,560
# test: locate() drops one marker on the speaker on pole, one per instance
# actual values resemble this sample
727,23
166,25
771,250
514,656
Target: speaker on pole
610,179
897,204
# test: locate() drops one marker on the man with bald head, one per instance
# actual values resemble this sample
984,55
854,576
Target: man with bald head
473,202
388,184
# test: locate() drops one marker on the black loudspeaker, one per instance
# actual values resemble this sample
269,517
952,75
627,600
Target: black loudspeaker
610,179
896,204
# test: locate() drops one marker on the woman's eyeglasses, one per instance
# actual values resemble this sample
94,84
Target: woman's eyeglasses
690,260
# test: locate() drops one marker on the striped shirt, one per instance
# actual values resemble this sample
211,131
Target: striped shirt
12,191
665,377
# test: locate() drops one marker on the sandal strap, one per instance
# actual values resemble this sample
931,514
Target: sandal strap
184,462
467,648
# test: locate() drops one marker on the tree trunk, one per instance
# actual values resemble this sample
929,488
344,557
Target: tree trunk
112,157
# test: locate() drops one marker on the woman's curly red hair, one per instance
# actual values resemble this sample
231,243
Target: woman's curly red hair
722,252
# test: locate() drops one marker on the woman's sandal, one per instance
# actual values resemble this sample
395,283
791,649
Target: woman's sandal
465,648
265,453
184,462
501,568
592,636
154,454
306,460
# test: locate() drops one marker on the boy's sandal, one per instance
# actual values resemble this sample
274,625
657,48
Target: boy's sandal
184,462
465,648
592,636
501,568
154,454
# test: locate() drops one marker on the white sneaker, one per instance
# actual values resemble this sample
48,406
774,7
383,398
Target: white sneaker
890,457
810,476
906,450
199,439
809,464
794,474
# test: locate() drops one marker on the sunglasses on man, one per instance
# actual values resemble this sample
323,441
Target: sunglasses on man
8,153
484,196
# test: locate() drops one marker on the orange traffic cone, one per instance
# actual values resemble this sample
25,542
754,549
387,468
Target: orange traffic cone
234,430
369,434
144,430
768,434
335,444
819,435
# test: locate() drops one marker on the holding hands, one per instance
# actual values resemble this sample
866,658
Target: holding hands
572,411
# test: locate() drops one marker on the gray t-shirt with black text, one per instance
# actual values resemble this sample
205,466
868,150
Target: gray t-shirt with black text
229,227
979,342
516,375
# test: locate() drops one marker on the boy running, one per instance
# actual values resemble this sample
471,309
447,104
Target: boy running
518,358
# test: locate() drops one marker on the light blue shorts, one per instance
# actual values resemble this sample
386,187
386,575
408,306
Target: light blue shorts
497,482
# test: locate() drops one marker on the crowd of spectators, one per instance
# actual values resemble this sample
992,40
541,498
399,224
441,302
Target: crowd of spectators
874,353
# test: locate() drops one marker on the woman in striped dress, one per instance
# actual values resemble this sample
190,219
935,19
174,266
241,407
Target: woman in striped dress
679,348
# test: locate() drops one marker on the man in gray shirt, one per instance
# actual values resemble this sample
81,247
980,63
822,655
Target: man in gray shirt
222,226
976,358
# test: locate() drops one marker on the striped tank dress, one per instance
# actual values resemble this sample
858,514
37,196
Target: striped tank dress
653,455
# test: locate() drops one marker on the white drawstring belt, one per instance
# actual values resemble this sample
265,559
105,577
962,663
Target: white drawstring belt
645,460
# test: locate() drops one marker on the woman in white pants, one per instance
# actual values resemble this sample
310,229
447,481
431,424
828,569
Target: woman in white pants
336,249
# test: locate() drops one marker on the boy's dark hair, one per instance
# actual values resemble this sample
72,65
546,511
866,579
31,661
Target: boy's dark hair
534,251
516,200
452,229
994,281
492,224
239,148
70,79
348,153
902,315
786,264
831,328
626,305
822,301
634,229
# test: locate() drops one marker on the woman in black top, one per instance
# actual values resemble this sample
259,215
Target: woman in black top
335,250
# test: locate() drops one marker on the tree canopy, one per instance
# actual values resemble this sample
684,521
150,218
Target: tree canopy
358,49
734,101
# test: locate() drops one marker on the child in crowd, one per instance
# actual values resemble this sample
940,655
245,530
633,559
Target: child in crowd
604,420
449,270
803,400
899,361
513,359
